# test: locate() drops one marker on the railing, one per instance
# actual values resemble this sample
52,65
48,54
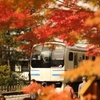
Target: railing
11,88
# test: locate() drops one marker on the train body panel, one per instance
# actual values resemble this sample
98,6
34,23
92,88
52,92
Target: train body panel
47,74
38,74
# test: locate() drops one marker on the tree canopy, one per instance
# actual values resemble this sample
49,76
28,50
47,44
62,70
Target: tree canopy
49,19
65,20
62,19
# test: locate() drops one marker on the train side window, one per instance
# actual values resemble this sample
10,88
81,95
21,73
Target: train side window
75,60
70,56
46,58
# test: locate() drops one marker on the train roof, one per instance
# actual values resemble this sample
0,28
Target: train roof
54,42
78,47
59,43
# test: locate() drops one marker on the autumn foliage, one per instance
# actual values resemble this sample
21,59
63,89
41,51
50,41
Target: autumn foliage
47,93
66,21
16,14
51,93
70,25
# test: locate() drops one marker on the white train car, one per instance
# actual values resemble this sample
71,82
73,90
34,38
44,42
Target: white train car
50,60
47,62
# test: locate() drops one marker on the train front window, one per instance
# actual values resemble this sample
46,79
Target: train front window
36,57
46,57
41,57
57,57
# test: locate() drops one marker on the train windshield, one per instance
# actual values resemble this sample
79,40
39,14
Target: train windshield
46,57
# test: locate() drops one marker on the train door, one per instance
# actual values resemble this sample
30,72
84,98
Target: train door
79,58
41,63
57,63
46,64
